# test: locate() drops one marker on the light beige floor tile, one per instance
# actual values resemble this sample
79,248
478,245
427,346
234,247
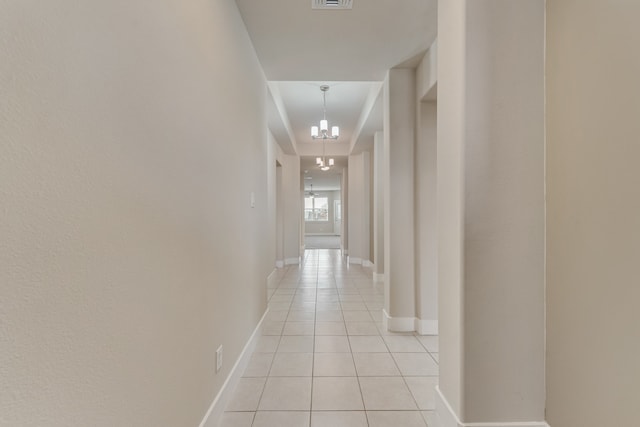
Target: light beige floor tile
298,328
279,306
286,394
339,419
330,328
276,316
282,419
336,394
272,328
303,306
395,419
296,344
377,316
361,328
403,344
332,344
416,364
329,316
353,306
292,365
333,365
374,305
259,365
367,344
236,419
375,365
246,395
267,344
326,306
429,417
301,316
430,342
357,316
386,393
423,391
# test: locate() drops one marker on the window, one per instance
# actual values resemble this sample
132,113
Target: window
316,209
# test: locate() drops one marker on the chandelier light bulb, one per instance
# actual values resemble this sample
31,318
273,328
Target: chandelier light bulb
330,162
324,125
335,131
314,131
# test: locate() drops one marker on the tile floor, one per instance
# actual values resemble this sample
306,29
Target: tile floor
323,359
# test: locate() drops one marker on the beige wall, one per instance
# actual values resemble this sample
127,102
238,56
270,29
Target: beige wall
491,243
593,213
124,258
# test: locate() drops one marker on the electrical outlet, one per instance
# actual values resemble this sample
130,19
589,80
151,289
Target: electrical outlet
219,358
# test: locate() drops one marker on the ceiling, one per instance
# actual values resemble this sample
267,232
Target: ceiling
351,50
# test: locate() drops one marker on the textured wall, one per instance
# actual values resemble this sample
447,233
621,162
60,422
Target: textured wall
132,133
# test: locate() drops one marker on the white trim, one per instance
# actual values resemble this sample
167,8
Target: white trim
292,261
398,324
446,417
354,260
212,417
378,277
280,264
367,263
426,326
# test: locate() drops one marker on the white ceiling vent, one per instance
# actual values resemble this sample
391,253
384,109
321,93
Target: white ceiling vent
332,4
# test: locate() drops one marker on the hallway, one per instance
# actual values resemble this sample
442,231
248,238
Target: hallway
324,359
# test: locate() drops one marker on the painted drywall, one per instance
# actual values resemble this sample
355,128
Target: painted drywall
124,262
359,206
504,212
399,140
292,207
593,213
378,203
491,258
451,33
426,205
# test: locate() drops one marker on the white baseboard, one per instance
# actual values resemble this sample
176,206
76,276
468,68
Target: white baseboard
378,277
446,417
426,326
398,324
367,263
279,264
409,324
292,261
354,260
212,417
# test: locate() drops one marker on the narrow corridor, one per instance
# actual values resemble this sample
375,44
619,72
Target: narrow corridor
324,360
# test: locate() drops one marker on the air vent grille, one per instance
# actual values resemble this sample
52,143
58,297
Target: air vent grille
332,4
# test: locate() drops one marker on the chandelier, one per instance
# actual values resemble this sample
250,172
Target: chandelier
323,133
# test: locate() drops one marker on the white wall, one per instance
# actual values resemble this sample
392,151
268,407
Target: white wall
125,260
593,214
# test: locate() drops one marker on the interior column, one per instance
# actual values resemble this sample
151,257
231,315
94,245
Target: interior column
491,212
399,140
